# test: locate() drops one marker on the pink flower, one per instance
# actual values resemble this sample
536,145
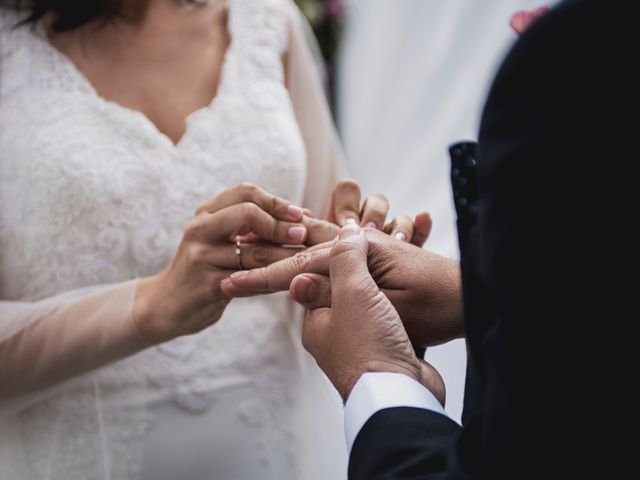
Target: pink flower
520,21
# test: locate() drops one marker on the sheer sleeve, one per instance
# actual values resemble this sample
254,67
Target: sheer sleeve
43,344
304,80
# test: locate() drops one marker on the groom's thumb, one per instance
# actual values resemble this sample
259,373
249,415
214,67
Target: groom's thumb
348,265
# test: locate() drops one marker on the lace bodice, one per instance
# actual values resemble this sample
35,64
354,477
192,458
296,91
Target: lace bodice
91,193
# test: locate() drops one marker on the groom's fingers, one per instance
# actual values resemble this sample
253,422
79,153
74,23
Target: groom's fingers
421,229
349,271
346,203
278,276
316,330
374,211
401,228
311,290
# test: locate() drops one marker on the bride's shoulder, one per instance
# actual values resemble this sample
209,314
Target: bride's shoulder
268,21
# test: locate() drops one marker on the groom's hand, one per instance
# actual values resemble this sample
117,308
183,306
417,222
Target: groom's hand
347,207
361,332
423,287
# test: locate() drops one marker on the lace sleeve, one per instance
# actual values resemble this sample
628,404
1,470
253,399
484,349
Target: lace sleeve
324,153
43,344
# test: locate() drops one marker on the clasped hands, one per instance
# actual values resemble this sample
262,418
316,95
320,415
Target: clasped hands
370,299
371,293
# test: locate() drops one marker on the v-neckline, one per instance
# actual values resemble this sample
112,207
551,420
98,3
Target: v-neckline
84,80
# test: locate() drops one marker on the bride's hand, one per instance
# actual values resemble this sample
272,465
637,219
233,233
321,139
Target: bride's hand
346,208
186,297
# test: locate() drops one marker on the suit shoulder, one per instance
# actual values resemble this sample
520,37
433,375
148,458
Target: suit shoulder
577,49
573,35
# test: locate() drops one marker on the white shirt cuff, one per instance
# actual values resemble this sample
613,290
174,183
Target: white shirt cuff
376,391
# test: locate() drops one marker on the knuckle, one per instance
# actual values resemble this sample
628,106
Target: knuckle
343,249
247,191
275,227
350,208
200,210
272,203
299,262
261,255
196,253
193,229
250,211
360,290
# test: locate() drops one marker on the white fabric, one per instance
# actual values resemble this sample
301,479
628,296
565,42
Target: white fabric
92,196
413,79
376,391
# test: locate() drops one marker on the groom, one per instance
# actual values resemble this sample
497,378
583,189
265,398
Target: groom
543,299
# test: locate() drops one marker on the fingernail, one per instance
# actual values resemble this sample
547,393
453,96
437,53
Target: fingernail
295,212
239,274
371,225
297,234
400,236
350,221
349,231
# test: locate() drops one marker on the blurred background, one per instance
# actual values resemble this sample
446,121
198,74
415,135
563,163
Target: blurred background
407,78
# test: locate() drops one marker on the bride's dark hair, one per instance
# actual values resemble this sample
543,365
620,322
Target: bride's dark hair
69,14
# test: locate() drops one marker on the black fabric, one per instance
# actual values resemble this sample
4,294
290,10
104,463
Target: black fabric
544,224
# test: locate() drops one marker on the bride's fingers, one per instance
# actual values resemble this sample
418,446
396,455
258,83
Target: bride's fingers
240,219
421,229
345,204
249,238
401,228
374,211
277,277
251,255
311,290
247,192
319,231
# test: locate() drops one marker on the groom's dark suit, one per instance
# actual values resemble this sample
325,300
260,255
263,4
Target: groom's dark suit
538,243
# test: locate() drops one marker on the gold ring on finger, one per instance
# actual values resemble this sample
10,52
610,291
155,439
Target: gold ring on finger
239,255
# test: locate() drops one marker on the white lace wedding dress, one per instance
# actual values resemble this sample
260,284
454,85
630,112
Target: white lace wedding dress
93,196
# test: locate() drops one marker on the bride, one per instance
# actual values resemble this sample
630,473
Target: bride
118,119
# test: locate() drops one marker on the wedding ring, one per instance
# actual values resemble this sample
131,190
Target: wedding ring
239,255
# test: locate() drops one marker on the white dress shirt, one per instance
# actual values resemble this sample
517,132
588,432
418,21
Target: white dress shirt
376,391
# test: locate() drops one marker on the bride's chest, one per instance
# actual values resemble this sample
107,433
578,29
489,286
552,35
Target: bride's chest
71,149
